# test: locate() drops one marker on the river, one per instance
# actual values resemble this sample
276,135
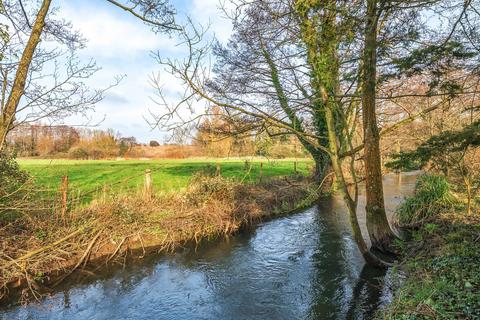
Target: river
302,266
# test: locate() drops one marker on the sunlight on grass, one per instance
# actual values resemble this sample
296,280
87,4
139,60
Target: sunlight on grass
168,175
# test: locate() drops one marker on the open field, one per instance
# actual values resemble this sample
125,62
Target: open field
168,175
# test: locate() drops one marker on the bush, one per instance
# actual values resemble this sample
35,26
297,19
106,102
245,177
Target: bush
206,184
12,179
11,176
433,195
154,143
78,153
206,171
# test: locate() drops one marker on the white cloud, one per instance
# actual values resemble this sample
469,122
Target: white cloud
121,45
110,34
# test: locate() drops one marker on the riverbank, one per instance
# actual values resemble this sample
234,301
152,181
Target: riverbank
440,266
39,252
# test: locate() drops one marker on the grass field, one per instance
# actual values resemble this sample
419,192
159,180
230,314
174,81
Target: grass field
168,175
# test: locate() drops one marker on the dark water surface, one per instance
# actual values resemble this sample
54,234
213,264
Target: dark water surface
304,266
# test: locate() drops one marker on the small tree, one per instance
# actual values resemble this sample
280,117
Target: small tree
126,145
153,143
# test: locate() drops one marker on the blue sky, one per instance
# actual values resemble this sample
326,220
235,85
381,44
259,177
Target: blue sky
122,45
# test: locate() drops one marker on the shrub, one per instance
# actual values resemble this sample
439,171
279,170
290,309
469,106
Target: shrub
11,176
207,185
206,171
433,195
154,143
78,153
12,179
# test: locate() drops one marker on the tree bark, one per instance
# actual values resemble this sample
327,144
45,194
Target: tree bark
321,158
379,230
18,88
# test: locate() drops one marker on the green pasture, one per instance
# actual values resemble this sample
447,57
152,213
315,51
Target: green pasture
168,175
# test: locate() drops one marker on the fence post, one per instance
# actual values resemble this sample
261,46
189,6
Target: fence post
105,191
261,172
148,184
64,191
295,166
219,170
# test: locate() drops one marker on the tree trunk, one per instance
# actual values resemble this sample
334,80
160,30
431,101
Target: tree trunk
322,56
379,230
321,158
370,258
322,165
18,87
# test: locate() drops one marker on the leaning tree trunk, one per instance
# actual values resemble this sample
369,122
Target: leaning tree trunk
379,230
369,257
9,111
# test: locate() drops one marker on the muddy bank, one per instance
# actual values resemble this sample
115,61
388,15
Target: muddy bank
39,252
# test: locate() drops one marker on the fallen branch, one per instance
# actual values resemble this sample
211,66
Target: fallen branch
40,250
116,250
82,258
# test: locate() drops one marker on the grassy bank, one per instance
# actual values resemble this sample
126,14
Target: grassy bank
442,258
42,250
168,175
442,268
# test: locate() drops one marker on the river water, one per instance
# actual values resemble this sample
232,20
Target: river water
302,266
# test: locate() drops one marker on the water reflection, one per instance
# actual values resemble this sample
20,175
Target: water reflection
304,266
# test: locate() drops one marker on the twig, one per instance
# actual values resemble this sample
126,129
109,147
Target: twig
116,250
40,250
81,260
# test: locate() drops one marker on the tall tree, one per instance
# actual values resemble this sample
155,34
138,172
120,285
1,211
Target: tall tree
319,20
435,52
261,76
379,230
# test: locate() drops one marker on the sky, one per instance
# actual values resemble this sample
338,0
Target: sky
122,46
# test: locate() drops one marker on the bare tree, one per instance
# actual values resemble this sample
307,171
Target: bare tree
39,82
18,86
260,78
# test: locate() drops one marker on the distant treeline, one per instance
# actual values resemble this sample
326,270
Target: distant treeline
37,140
